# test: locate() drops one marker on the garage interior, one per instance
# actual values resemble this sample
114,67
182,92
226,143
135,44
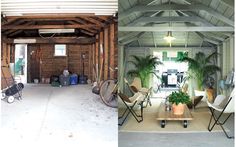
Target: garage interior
45,39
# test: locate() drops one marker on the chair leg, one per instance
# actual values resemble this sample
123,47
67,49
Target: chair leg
135,115
217,122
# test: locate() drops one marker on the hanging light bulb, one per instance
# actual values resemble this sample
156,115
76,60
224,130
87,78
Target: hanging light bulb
169,37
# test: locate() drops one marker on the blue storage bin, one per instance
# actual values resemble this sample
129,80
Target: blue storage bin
74,79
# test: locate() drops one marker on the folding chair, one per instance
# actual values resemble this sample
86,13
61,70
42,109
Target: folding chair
136,86
223,105
130,103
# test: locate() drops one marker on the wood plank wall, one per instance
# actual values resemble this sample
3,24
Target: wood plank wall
5,61
108,41
53,65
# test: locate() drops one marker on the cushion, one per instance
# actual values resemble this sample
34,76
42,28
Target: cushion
134,89
210,95
124,97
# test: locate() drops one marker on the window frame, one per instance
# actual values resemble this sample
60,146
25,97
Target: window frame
64,49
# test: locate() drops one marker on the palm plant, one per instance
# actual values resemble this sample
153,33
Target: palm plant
201,67
144,66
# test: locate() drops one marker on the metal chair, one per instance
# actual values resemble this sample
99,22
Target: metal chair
130,103
223,105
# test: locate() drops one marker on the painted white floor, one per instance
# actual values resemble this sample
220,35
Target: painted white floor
50,116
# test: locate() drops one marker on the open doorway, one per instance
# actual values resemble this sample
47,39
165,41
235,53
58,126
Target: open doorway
171,72
20,68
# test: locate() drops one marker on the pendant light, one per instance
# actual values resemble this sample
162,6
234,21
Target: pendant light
169,38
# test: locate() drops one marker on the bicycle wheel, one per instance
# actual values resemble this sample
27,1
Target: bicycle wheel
108,93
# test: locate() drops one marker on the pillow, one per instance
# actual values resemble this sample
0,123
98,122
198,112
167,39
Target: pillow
210,95
134,89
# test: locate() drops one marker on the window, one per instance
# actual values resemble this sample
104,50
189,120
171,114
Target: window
60,50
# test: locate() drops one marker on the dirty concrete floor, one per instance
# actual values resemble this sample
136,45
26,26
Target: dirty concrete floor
66,116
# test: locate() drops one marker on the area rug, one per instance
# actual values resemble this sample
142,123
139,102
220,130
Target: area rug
150,124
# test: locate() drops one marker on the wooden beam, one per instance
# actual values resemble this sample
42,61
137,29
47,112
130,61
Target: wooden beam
169,19
28,27
215,36
207,39
106,55
13,32
85,31
175,7
112,50
166,48
97,57
92,20
72,40
101,56
228,3
127,36
176,29
192,14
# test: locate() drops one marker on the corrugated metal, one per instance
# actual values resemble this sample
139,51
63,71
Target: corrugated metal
24,7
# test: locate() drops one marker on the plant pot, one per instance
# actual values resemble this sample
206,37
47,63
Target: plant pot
201,93
178,109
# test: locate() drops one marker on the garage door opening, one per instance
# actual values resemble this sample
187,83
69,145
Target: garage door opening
171,73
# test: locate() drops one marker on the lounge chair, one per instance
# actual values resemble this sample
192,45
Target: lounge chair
223,105
130,103
136,87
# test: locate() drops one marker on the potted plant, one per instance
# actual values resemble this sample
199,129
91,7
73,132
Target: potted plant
144,66
201,67
178,100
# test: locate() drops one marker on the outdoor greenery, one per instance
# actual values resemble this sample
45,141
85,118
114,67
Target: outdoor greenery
179,97
144,66
201,67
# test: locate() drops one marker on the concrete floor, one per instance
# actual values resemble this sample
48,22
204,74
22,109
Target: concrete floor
66,116
205,139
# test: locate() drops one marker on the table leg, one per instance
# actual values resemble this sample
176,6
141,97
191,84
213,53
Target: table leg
185,124
163,123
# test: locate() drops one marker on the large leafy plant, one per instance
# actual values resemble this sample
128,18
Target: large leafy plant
144,66
179,97
201,67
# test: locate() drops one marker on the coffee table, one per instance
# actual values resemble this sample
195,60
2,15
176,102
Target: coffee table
163,116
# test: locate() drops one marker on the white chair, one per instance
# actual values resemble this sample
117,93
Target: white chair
130,103
223,105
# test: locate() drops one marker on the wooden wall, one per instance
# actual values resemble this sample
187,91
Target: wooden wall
105,54
5,63
54,65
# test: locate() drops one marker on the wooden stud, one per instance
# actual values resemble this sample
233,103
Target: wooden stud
106,57
112,50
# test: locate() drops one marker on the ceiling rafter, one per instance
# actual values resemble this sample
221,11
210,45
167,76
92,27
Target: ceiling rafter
169,19
28,27
176,7
176,29
207,39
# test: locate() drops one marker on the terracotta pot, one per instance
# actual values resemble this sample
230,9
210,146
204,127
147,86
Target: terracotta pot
178,109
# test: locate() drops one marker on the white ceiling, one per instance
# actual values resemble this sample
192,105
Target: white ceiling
195,23
33,7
